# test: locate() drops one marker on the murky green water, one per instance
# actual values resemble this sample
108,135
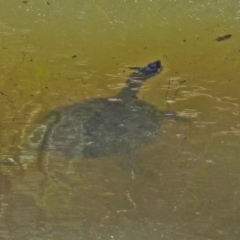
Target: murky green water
55,53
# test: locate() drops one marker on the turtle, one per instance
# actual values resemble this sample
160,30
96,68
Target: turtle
100,127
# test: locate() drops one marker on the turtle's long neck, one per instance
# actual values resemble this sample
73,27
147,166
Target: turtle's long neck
136,80
131,89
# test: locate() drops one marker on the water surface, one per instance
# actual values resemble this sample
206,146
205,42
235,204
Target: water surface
55,53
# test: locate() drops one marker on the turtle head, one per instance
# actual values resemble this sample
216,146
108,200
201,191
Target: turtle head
144,73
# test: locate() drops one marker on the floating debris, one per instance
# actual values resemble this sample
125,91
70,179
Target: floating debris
224,37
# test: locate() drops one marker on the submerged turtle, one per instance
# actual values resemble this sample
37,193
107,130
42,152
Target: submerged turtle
102,126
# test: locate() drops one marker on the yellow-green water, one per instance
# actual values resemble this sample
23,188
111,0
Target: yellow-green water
190,187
